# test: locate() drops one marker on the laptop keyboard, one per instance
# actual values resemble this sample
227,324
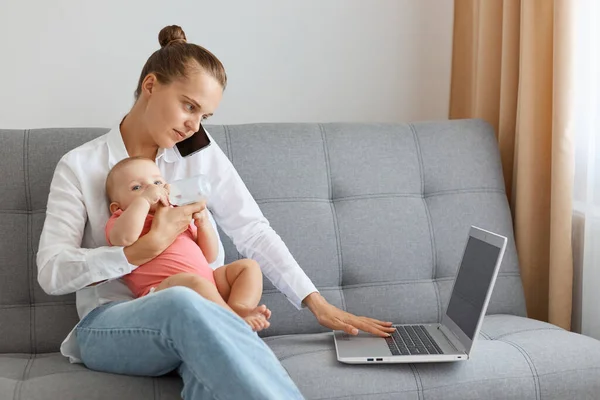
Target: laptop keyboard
412,339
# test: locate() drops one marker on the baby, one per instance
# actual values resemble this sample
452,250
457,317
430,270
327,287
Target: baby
135,189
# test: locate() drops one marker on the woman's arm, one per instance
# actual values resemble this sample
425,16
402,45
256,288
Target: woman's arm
239,216
241,219
63,266
145,249
141,251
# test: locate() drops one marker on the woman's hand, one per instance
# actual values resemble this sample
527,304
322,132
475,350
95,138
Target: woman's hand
170,222
336,319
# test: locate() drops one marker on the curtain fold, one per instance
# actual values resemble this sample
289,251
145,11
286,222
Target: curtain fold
511,66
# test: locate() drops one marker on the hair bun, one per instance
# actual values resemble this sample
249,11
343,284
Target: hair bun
171,33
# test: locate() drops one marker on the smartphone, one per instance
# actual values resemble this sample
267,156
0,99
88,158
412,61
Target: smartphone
198,141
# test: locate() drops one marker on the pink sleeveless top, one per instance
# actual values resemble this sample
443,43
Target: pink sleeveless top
183,255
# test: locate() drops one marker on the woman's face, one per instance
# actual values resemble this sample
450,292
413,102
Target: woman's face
174,111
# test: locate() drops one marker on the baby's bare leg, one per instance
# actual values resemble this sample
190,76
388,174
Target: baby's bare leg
240,284
197,283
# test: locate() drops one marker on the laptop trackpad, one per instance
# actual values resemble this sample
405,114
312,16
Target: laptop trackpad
361,345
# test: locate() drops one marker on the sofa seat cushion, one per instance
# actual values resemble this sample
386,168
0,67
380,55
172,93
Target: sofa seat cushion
514,358
51,376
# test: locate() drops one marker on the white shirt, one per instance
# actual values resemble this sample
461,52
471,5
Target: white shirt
73,252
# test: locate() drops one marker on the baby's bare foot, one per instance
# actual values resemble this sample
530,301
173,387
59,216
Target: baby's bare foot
244,311
257,322
257,318
262,309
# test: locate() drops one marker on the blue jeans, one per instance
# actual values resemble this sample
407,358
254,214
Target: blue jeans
215,351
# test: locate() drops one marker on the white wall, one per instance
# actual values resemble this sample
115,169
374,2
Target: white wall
70,63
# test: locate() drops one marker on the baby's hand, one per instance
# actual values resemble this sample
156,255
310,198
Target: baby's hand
155,193
201,219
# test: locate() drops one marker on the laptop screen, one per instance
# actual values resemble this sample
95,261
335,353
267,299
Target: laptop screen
472,284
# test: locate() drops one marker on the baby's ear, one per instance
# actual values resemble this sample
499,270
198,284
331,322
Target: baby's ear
114,206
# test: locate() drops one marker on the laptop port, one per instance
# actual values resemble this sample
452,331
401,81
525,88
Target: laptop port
369,359
379,359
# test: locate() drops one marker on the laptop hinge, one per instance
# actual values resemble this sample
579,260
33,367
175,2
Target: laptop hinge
458,346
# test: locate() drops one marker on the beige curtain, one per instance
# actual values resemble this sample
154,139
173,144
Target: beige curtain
510,66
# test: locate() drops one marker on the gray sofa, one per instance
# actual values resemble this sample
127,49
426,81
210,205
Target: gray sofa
376,214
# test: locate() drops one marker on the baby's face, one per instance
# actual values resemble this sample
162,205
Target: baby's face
132,179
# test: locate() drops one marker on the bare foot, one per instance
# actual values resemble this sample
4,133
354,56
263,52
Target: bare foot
257,322
258,318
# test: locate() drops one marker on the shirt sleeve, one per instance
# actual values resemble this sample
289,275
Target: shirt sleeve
63,266
242,220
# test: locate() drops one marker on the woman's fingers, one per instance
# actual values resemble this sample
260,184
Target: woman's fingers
378,322
371,328
190,209
382,325
349,329
349,322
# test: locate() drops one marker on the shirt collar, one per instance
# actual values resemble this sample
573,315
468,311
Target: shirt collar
117,150
170,155
116,147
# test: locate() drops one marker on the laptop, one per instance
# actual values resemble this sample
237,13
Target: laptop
454,337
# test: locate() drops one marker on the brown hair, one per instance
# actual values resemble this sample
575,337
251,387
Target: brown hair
110,179
175,57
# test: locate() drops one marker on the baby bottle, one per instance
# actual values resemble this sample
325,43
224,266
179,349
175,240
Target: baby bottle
189,190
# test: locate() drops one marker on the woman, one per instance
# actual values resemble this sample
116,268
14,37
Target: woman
214,351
